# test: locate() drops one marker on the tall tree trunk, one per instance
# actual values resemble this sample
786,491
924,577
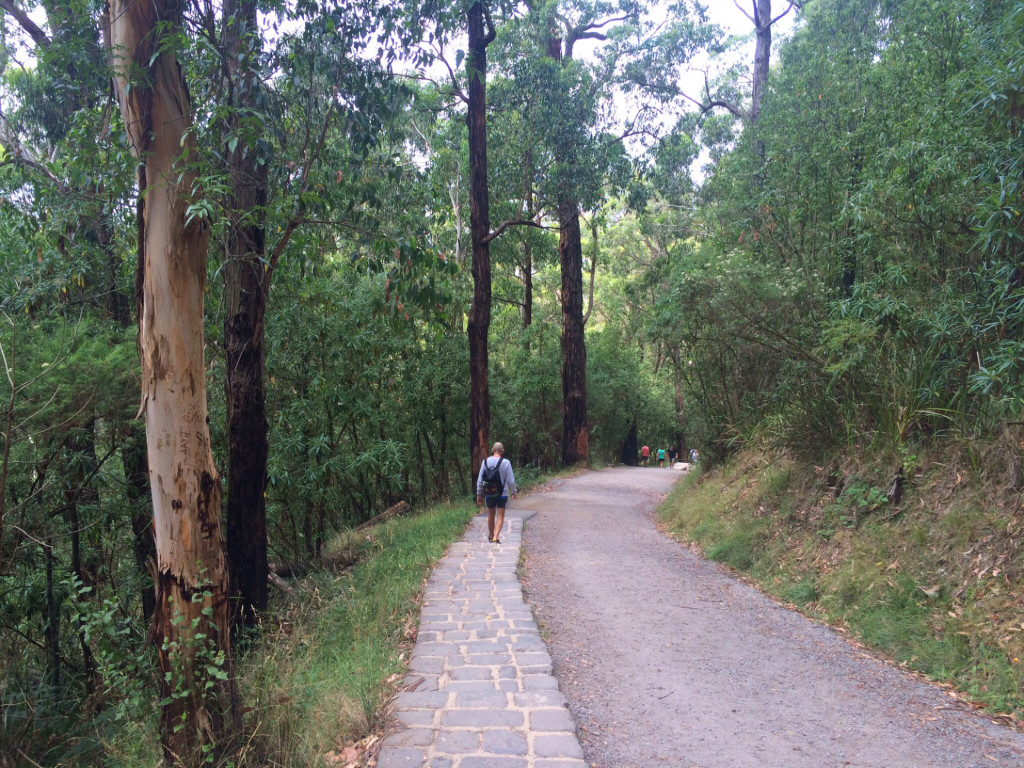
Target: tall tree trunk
52,623
680,408
628,453
118,304
762,52
526,314
199,705
245,298
81,489
575,433
480,227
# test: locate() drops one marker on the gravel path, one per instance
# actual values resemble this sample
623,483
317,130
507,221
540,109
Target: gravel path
668,660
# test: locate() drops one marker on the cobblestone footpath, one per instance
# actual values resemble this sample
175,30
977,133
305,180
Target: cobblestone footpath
480,692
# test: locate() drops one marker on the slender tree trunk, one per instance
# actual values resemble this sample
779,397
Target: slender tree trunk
526,315
118,304
52,623
575,432
762,52
480,227
628,454
245,297
81,490
680,403
136,475
199,705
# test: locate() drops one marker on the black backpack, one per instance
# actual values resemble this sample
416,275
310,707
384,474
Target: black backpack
492,484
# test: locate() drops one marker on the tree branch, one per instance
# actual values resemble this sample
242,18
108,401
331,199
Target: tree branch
512,223
740,9
38,36
491,32
22,155
456,88
790,8
297,218
599,25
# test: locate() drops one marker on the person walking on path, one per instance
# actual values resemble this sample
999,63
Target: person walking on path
671,455
661,457
494,485
645,453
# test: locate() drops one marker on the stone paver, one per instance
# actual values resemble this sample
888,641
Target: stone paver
479,692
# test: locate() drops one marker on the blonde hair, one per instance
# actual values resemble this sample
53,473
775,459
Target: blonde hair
498,448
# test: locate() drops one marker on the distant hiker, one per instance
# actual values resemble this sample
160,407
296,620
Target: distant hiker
494,485
661,457
671,455
645,454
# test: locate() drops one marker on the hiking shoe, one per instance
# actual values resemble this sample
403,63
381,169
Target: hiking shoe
495,541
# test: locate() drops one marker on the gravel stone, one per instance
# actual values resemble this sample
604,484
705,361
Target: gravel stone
667,659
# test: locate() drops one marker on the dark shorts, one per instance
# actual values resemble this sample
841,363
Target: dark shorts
495,501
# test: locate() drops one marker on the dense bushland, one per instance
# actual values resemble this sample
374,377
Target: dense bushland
856,280
837,272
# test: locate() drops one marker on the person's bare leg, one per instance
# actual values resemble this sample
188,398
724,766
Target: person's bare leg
499,521
490,522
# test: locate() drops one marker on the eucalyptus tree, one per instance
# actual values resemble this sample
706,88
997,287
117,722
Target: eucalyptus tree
318,71
199,704
763,21
417,22
481,32
579,152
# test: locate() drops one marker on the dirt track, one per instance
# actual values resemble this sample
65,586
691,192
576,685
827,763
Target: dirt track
668,660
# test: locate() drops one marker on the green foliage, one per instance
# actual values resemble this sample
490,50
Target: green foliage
907,586
323,676
859,278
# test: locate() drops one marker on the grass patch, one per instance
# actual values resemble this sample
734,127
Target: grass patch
320,677
324,662
933,584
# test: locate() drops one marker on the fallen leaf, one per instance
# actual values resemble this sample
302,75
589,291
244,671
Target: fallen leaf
350,754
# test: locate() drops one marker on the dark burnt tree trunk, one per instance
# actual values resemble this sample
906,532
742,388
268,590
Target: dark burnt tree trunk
575,433
81,491
136,475
526,314
629,449
52,623
245,297
480,36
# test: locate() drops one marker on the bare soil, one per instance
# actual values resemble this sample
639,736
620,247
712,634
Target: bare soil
669,660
